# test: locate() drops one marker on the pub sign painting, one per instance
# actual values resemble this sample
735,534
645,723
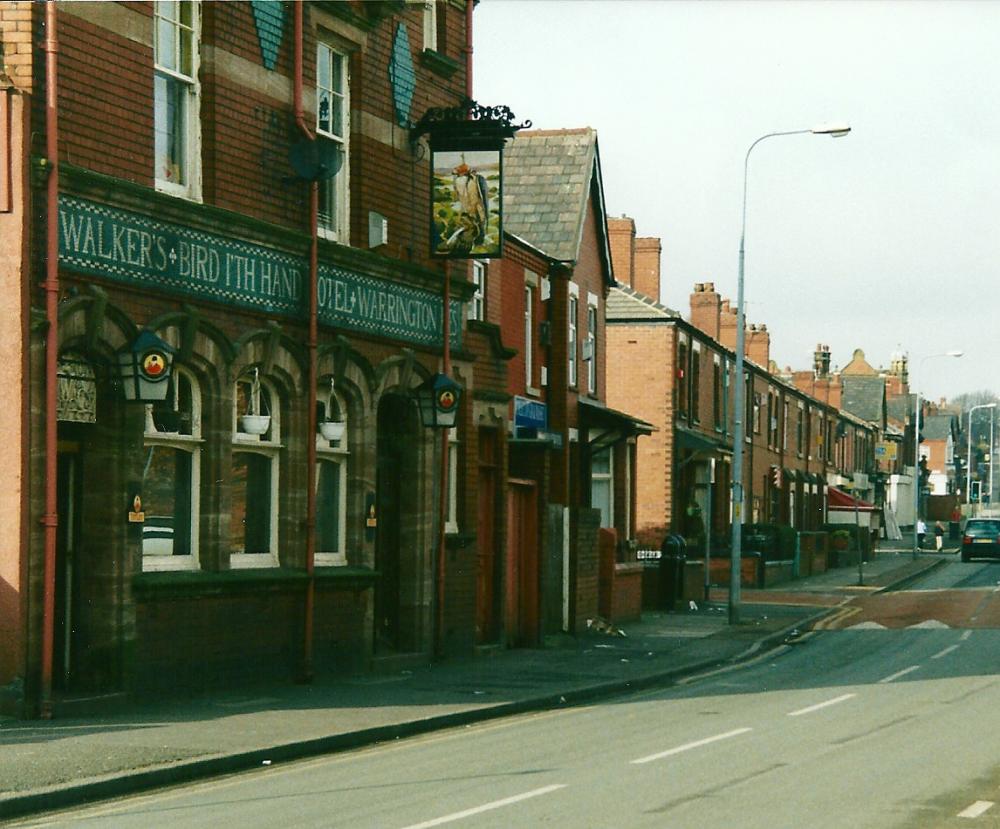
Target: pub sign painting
466,219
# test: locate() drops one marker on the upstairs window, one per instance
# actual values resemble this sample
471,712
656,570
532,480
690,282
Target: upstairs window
695,383
477,305
590,349
717,391
332,125
682,378
571,344
175,97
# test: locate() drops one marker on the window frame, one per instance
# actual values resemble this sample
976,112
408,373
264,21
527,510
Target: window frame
268,446
530,299
335,190
192,444
572,344
477,303
333,451
592,323
190,132
607,478
683,372
695,402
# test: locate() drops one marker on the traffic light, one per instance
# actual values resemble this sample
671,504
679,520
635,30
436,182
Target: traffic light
776,476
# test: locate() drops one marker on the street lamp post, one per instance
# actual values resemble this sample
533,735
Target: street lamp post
916,442
837,131
968,453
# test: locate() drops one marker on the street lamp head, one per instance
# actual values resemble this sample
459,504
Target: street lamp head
955,353
833,130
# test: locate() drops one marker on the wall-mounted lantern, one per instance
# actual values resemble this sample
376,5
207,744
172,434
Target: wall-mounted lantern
438,397
145,368
466,144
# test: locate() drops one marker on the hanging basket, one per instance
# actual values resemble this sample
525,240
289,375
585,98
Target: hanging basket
332,429
255,424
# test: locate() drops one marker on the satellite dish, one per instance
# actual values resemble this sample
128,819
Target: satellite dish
316,159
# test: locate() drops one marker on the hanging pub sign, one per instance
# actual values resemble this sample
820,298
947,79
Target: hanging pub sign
466,206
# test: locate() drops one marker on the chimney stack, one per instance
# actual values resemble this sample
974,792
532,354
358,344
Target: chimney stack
621,237
646,273
821,360
706,309
759,345
727,325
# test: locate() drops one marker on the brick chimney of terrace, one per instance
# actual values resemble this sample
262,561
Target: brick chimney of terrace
759,345
705,309
646,272
727,325
621,237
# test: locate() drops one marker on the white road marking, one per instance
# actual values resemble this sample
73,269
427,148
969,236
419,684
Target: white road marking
976,809
898,674
688,746
945,652
820,705
965,635
486,807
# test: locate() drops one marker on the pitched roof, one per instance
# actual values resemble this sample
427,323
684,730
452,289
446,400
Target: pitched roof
937,427
550,178
624,303
863,396
900,408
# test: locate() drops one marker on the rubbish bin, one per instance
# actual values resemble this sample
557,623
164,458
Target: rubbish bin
673,555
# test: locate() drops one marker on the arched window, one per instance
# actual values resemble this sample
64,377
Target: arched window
256,425
170,477
331,479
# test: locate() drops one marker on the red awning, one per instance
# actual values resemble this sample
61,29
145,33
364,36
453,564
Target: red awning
838,499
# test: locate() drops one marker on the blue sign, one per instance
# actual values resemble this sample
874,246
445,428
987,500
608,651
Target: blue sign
530,414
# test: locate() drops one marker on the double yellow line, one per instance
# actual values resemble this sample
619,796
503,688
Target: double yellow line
836,620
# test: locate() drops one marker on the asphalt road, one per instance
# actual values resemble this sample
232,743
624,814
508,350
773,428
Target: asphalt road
865,726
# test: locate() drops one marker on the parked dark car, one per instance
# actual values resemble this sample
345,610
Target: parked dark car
981,539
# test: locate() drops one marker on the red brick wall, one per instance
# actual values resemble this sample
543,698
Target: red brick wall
647,267
643,384
621,237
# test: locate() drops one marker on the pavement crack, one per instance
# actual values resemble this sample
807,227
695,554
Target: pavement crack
872,731
712,791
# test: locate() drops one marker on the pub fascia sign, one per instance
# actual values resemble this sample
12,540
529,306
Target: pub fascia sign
134,249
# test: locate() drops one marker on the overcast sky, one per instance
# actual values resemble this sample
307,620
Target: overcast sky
886,240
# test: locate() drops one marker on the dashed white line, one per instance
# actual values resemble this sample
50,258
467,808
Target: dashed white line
486,807
945,652
965,635
976,809
820,705
898,674
688,746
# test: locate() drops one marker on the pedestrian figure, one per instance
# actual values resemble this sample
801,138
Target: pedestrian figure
921,532
938,536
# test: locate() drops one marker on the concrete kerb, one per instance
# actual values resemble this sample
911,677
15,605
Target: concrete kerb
912,577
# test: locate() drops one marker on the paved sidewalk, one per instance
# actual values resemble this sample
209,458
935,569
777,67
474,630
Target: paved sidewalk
48,764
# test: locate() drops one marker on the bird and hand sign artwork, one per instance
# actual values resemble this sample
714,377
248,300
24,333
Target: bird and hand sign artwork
465,208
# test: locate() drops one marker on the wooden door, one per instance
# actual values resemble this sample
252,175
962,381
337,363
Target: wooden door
522,558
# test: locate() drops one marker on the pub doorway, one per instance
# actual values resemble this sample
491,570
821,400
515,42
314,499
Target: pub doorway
397,544
67,640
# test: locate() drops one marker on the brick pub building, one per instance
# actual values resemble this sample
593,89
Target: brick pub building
159,192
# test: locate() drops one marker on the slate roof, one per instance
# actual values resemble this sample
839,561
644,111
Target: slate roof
937,427
549,178
627,304
863,396
900,408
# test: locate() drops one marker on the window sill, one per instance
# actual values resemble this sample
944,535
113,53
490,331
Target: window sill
438,63
191,584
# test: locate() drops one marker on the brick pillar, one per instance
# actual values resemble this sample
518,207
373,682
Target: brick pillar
646,274
705,309
621,237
